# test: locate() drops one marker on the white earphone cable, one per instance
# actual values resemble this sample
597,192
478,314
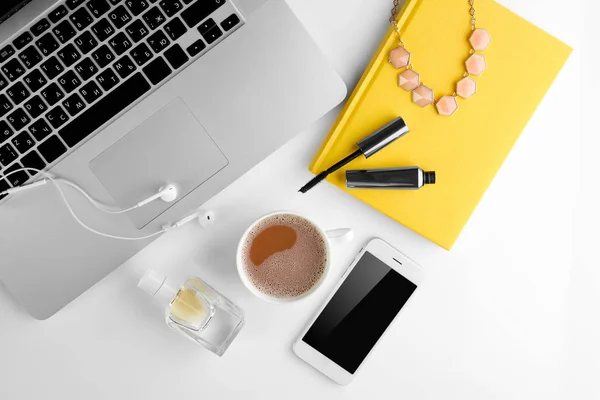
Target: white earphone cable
100,206
66,201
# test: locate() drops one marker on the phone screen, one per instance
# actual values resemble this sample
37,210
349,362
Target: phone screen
359,312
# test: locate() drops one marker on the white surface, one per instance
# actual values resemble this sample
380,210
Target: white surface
510,313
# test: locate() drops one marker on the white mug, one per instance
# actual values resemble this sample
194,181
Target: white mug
330,237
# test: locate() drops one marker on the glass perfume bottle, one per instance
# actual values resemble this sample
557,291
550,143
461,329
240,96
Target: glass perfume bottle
196,310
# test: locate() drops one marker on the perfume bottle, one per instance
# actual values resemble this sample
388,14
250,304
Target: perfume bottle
196,310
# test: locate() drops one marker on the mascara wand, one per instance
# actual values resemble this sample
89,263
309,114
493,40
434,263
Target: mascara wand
367,147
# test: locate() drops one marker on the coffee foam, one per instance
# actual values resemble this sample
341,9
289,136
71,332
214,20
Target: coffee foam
292,272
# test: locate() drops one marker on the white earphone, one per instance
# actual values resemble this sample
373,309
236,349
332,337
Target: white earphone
166,193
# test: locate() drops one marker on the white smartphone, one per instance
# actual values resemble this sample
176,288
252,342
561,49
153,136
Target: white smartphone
372,291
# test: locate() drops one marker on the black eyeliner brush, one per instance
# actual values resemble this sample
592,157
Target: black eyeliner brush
367,147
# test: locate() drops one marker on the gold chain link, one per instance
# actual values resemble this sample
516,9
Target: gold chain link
472,13
395,11
397,7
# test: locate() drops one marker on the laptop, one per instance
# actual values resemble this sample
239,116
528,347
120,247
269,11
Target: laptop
123,96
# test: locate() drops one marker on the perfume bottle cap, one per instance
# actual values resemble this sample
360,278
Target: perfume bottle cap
158,286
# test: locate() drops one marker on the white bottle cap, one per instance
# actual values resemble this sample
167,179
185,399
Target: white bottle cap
158,286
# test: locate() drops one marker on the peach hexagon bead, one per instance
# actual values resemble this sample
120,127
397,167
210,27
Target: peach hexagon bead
408,80
422,96
399,57
447,105
480,39
475,64
466,87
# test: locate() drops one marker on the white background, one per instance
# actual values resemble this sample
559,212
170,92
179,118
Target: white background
510,313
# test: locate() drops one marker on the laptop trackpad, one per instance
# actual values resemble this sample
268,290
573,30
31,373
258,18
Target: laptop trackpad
170,147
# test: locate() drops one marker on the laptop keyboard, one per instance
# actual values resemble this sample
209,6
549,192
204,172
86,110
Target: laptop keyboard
86,62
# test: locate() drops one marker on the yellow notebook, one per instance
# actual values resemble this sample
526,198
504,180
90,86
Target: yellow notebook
467,149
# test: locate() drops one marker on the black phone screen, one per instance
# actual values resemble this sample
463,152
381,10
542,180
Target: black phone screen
359,312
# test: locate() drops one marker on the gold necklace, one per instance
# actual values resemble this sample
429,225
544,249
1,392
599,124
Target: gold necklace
466,87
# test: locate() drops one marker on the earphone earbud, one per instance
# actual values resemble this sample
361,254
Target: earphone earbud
204,217
166,193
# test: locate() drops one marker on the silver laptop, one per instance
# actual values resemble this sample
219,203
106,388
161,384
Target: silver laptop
123,96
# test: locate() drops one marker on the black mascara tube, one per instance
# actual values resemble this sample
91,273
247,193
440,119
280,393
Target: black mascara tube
389,178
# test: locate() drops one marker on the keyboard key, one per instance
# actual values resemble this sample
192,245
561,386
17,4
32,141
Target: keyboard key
195,48
6,53
47,44
18,119
114,2
103,56
68,55
23,142
86,69
51,149
40,27
13,69
86,42
57,117
175,29
35,106
103,29
198,11
141,54
158,41
107,79
120,43
64,31
230,22
30,57
3,82
136,30
58,13
212,35
7,154
73,4
136,6
5,105
73,104
23,40
98,7
40,129
33,160
5,131
90,92
81,19
124,67
35,80
104,110
170,7
17,93
69,81
206,26
154,18
187,1
176,56
52,94
52,67
157,70
16,178
119,17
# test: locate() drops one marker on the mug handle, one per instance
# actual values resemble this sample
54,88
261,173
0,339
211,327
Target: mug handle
340,236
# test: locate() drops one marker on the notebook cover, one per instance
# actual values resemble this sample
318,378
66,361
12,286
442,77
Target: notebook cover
467,149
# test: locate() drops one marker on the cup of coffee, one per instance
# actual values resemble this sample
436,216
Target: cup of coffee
284,256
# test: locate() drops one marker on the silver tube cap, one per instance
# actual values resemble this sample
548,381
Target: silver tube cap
382,137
